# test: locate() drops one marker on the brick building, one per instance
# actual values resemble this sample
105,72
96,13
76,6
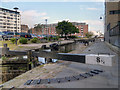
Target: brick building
24,28
51,30
83,28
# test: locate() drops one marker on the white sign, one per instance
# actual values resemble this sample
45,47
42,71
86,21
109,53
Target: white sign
106,60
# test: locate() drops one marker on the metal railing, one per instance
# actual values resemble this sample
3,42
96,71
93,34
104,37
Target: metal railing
115,31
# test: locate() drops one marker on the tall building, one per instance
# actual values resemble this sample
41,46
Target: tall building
10,20
112,22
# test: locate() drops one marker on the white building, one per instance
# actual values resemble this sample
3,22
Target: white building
97,33
10,20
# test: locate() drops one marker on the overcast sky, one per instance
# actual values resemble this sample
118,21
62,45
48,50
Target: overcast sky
58,10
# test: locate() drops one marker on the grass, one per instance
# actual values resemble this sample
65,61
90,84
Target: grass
11,46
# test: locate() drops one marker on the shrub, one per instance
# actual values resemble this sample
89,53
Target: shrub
72,37
23,40
13,40
45,38
34,40
4,58
57,37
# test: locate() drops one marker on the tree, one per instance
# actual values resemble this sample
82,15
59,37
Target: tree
37,27
89,34
66,28
73,30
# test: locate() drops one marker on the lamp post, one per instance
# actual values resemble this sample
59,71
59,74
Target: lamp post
46,29
16,23
46,26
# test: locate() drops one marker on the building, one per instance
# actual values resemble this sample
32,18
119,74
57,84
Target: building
51,30
112,22
24,28
83,28
10,20
97,33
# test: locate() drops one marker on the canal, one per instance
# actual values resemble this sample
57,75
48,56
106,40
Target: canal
19,66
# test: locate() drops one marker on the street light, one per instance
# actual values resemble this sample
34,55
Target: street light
16,23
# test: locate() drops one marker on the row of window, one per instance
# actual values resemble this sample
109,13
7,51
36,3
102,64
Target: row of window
9,11
9,21
8,17
114,12
8,27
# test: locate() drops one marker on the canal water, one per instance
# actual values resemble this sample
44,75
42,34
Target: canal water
63,49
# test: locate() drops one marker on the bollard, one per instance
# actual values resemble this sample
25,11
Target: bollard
83,76
38,82
94,72
58,81
48,81
5,45
67,78
28,82
76,77
89,74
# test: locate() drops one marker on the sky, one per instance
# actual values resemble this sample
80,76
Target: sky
36,11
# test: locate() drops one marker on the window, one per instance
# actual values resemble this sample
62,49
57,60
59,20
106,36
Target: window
4,26
108,27
8,23
4,17
118,22
114,12
4,23
4,13
8,17
81,27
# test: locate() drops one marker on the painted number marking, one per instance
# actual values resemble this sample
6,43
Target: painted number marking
99,60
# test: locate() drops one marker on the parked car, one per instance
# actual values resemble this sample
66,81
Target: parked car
26,35
40,36
1,35
9,35
33,35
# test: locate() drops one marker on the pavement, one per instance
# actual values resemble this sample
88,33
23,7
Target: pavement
107,79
